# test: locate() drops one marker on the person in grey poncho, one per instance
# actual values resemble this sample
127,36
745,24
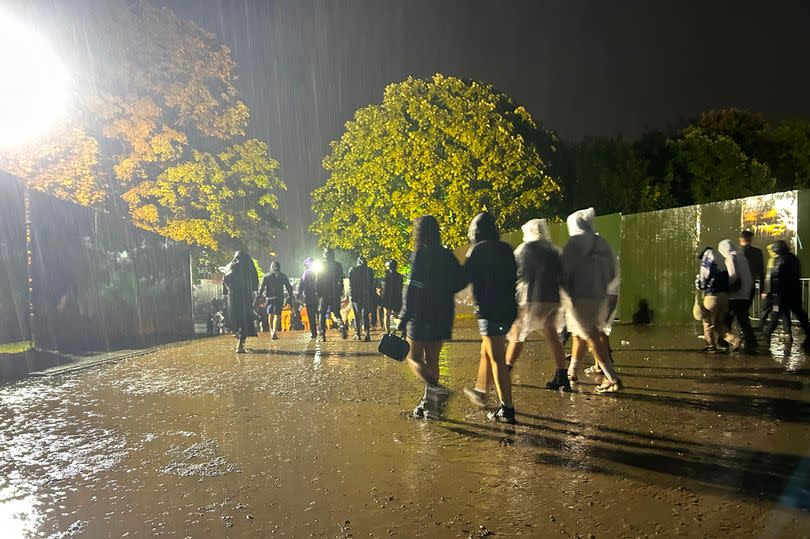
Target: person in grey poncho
241,282
588,269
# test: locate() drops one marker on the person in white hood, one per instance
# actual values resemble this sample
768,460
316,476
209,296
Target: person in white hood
588,270
740,292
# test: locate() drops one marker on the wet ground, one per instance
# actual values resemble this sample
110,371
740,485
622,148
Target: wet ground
300,440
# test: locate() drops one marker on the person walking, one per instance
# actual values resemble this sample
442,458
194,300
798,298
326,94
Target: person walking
273,286
391,294
539,268
427,313
786,292
241,282
491,268
756,264
713,281
361,288
588,268
329,284
308,293
740,292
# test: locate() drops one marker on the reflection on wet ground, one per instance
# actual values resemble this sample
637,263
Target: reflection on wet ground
297,439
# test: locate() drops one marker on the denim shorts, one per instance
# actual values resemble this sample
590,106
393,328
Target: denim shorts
493,328
274,306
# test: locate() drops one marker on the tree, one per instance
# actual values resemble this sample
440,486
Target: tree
791,154
716,168
159,128
441,146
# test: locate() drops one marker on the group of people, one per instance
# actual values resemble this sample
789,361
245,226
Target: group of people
728,284
320,290
538,287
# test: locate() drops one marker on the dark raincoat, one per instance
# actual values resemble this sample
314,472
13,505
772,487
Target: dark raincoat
242,282
361,285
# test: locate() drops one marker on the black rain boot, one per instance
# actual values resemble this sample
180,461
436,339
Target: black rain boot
560,381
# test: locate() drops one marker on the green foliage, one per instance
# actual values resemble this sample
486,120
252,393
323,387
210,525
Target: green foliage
441,146
158,124
717,168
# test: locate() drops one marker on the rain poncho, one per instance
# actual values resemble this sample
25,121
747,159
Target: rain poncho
538,265
739,274
588,271
492,270
242,281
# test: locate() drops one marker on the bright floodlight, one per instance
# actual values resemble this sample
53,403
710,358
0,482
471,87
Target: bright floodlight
34,89
317,266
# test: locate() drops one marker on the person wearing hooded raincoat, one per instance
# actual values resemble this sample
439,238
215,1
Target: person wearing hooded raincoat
491,269
713,281
741,290
308,293
588,269
273,286
241,282
329,284
786,292
428,310
361,289
539,267
391,294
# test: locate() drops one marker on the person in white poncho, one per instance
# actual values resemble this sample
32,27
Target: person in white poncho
588,270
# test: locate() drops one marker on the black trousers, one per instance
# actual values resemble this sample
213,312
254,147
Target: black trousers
324,306
781,311
312,313
364,312
739,309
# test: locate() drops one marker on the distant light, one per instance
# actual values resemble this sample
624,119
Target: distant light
317,266
34,91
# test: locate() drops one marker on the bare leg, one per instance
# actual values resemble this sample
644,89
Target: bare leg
515,347
602,357
495,349
273,325
577,351
554,344
424,361
484,374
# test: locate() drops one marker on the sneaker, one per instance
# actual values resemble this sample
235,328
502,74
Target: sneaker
241,349
356,336
503,414
274,338
593,369
560,381
709,350
478,398
610,387
572,376
436,397
367,338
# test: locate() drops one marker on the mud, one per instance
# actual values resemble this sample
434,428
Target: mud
300,440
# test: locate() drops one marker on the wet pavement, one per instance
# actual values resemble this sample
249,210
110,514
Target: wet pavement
302,440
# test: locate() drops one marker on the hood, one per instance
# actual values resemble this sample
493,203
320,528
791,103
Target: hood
780,247
536,229
726,248
580,222
483,228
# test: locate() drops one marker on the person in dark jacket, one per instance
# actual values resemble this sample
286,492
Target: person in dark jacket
329,284
241,282
361,288
391,294
427,312
713,281
308,293
491,268
786,291
273,286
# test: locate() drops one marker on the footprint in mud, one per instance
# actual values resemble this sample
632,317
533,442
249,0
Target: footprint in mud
202,459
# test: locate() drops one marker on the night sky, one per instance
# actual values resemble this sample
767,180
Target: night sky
579,67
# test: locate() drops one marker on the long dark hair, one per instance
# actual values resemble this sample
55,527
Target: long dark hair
425,232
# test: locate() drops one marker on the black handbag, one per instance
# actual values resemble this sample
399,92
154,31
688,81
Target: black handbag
394,347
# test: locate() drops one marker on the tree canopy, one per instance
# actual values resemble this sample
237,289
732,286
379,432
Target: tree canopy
158,128
441,146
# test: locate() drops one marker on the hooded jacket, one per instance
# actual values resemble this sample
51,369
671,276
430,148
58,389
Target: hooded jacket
329,281
740,281
307,287
491,268
274,284
539,265
361,283
712,277
588,262
785,277
392,290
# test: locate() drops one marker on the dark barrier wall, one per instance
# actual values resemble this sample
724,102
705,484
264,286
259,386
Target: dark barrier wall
100,284
13,272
